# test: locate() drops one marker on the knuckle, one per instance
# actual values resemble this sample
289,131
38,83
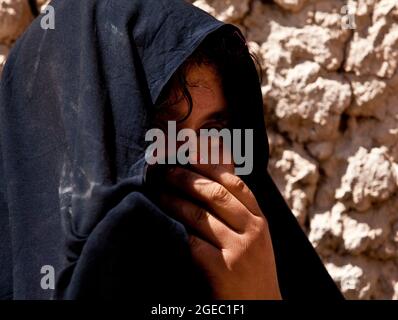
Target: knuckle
237,184
258,228
199,250
219,194
179,175
193,242
182,175
200,214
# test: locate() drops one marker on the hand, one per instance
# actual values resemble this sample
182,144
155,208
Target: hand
232,243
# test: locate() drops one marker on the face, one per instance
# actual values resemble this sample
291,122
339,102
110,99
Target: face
209,104
209,111
209,114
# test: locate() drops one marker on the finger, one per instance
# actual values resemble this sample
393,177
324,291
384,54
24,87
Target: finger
207,226
235,185
209,258
213,195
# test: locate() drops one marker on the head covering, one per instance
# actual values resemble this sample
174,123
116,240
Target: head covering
74,109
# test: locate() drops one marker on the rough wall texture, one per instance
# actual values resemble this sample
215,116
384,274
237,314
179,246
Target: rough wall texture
331,101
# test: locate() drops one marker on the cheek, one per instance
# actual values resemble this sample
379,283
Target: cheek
208,148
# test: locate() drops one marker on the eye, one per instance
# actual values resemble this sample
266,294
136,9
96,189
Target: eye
215,124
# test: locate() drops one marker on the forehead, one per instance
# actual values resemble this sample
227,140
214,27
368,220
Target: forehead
203,75
205,87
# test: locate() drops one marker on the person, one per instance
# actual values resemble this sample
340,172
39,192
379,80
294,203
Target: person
77,195
230,240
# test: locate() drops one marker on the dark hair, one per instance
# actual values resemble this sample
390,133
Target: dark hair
224,50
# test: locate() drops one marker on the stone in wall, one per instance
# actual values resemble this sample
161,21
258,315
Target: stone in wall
3,56
296,175
291,5
371,177
230,11
306,102
303,93
313,34
360,249
15,16
373,50
363,278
